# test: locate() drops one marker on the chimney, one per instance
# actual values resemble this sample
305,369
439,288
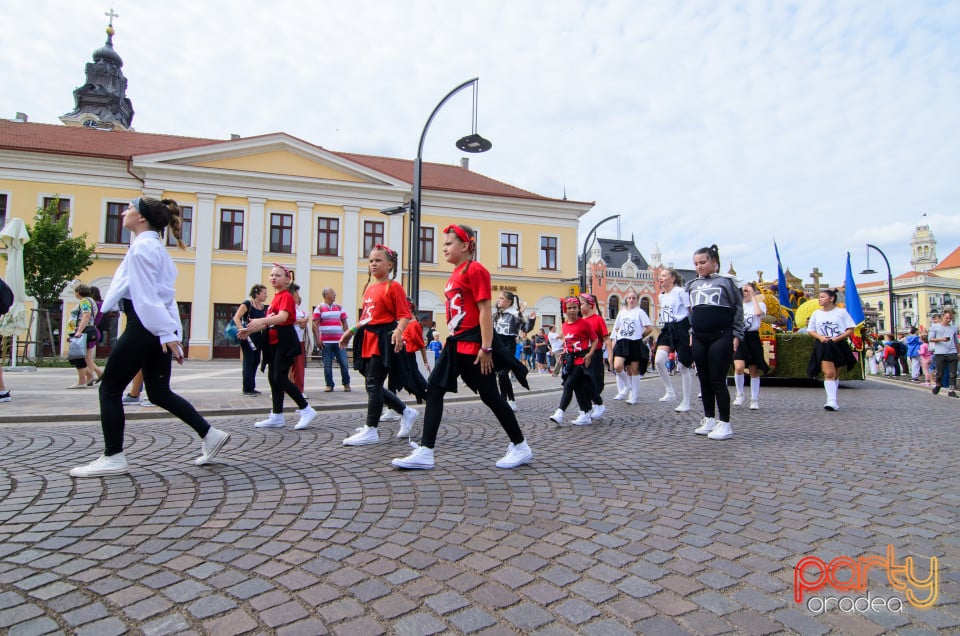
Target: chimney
234,136
465,163
21,118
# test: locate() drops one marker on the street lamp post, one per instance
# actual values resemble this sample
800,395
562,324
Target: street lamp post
891,300
473,143
583,254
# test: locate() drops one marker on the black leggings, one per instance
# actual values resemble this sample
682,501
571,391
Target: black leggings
138,349
713,355
506,386
278,375
595,372
486,387
577,383
377,396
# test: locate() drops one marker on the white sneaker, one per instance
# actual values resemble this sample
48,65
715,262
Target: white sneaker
307,415
420,459
622,394
103,465
406,422
754,405
275,420
211,445
557,417
706,425
145,402
669,396
366,436
738,401
517,455
632,399
389,416
597,411
583,419
512,404
722,430
683,407
831,406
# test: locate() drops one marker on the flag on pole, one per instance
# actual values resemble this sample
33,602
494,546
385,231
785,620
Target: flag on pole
854,306
783,293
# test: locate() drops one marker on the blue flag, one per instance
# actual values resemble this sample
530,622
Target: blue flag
854,306
783,294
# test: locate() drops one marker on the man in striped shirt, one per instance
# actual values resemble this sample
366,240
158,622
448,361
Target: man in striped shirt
329,323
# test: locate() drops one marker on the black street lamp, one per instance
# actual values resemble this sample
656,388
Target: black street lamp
473,143
891,300
583,254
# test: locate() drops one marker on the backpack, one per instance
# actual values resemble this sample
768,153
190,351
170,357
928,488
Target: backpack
6,297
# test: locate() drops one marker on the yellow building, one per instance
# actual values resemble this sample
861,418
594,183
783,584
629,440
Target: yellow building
249,202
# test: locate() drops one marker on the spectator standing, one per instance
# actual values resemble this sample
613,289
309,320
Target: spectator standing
251,347
435,346
943,337
913,353
329,324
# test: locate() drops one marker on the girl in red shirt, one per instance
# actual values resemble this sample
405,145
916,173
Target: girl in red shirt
580,343
468,354
280,350
379,331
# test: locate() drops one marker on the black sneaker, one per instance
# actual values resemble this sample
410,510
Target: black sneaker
951,394
254,392
5,396
936,389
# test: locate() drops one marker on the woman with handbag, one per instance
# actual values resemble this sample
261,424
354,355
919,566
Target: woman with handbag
250,348
143,288
81,326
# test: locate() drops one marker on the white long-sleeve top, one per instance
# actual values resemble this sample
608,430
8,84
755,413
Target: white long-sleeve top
146,276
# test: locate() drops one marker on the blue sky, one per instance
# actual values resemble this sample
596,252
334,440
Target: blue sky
821,125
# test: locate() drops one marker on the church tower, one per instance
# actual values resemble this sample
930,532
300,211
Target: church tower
923,249
102,101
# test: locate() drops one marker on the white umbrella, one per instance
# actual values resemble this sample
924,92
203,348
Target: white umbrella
15,321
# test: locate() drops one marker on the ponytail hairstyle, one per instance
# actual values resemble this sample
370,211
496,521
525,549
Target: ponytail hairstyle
753,286
675,275
160,214
466,235
712,252
832,293
391,257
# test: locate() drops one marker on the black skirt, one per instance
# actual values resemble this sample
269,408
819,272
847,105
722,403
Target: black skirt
751,351
839,353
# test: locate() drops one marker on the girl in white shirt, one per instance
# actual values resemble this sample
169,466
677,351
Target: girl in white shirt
143,283
830,326
631,357
749,354
674,337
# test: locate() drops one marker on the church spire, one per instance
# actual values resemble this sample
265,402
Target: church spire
102,101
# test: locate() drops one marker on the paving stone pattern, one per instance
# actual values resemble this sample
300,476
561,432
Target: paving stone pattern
632,525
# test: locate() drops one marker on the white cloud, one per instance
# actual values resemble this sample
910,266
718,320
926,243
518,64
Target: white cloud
822,124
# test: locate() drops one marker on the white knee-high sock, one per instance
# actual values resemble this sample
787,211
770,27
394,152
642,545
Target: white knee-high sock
831,387
738,380
755,388
660,359
686,381
635,386
623,382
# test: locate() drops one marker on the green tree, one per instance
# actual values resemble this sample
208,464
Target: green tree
52,258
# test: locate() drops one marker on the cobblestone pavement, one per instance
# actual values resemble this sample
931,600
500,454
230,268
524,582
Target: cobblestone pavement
632,525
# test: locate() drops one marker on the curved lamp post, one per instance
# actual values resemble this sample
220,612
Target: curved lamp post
583,254
891,300
473,143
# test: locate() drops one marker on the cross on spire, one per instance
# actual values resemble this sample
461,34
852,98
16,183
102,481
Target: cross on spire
111,14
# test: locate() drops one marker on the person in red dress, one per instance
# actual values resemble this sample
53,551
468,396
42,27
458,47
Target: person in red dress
280,350
469,353
385,316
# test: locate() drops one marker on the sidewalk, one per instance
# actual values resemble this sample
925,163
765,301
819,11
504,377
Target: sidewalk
213,387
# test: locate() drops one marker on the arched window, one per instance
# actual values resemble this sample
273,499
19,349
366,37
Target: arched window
613,307
645,305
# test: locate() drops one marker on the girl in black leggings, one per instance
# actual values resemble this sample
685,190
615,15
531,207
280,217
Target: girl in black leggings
143,284
716,328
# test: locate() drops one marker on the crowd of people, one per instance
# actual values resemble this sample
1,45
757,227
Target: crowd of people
708,324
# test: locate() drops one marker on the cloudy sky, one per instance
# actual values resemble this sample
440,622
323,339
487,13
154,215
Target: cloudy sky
821,125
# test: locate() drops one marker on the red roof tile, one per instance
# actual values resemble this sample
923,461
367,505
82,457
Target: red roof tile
951,261
124,145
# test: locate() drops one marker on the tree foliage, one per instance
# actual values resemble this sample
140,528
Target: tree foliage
52,258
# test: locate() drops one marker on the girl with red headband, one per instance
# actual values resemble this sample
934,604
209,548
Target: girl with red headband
379,346
280,350
595,368
580,343
468,354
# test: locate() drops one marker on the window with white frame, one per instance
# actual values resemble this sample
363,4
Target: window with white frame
328,236
281,232
186,227
231,229
509,250
114,232
548,252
